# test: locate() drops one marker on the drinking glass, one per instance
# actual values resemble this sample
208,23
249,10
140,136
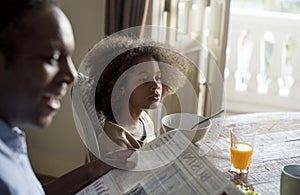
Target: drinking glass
241,148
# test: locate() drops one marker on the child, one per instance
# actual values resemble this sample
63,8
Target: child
135,75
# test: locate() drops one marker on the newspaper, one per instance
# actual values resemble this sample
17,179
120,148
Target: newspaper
168,165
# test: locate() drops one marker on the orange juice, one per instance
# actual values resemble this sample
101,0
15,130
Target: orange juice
241,154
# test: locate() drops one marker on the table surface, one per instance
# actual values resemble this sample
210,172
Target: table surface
277,143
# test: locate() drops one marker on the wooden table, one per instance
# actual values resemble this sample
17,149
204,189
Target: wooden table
277,143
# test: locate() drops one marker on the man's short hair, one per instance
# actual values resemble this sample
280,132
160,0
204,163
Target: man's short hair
11,11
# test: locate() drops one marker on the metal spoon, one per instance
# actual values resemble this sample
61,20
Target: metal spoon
212,116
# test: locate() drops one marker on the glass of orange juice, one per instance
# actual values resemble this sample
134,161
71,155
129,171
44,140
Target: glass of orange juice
241,148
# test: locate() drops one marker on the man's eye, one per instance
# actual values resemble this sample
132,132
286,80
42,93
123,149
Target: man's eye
56,56
53,59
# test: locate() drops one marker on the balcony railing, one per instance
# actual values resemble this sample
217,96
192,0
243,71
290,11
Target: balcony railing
263,62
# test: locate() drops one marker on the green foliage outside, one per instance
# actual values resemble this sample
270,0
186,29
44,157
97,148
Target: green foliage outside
290,6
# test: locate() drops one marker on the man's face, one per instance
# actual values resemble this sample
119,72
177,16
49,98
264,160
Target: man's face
33,83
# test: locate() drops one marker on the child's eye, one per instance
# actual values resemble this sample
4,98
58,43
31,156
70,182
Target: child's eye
144,78
158,78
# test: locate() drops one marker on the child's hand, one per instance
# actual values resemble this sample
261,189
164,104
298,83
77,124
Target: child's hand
122,159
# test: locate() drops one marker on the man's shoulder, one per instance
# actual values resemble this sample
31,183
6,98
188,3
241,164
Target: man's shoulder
5,152
9,171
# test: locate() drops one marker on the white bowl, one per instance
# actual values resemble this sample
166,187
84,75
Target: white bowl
184,122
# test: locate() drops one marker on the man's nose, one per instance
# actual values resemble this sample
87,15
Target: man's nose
68,71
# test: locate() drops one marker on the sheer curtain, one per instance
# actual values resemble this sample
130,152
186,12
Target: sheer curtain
122,14
216,41
205,21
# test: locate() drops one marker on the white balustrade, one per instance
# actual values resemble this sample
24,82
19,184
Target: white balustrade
263,62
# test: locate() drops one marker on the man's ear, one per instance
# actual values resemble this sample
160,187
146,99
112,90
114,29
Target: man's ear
2,62
2,66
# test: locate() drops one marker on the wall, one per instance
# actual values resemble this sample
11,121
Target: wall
59,149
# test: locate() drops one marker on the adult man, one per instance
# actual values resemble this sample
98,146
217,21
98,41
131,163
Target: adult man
36,44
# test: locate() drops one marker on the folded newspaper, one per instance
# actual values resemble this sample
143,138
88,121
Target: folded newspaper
171,164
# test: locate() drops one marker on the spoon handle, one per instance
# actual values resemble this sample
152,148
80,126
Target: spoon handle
212,116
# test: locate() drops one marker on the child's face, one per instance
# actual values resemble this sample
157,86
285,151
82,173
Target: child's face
143,84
